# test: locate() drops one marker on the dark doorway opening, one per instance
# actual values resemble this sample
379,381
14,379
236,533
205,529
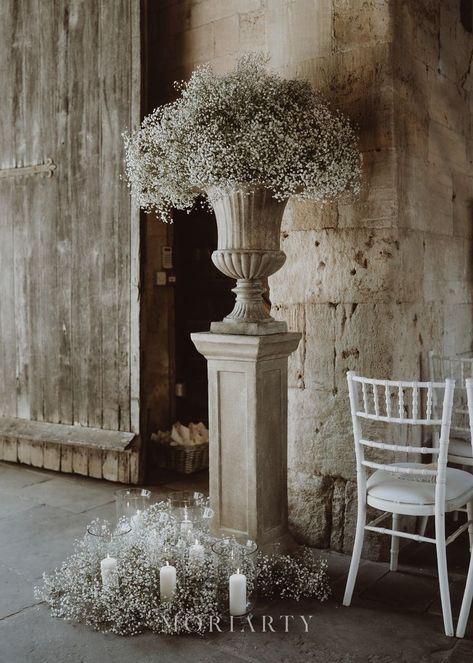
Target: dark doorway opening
202,294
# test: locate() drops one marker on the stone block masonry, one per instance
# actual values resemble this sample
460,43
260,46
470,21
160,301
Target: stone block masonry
371,284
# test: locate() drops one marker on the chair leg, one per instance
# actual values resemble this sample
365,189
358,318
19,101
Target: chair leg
394,544
423,524
466,603
443,574
355,558
469,512
455,516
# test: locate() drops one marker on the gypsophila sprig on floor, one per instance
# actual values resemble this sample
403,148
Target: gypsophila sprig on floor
298,576
248,127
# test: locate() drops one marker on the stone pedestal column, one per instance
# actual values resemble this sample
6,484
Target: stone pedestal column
248,433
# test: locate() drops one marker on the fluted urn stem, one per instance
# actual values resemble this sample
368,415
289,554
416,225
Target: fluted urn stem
249,225
249,306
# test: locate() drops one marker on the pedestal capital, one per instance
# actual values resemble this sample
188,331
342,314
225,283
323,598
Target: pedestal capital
239,347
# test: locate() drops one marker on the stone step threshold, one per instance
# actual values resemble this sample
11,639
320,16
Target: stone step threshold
93,452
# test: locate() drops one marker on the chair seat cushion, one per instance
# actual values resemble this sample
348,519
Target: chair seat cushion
383,485
459,447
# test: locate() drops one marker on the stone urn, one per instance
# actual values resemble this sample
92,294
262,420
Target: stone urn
249,226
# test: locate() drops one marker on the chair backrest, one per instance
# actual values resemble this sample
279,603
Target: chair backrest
400,402
457,368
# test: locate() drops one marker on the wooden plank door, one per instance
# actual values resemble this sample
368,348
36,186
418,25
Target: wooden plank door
69,244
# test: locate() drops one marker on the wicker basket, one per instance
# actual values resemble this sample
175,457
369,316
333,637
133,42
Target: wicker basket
183,459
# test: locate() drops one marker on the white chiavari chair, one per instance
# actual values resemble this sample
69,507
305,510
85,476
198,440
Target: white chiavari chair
468,593
458,368
404,488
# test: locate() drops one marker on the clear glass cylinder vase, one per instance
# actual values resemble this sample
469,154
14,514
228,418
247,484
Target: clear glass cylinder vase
130,504
236,572
192,515
104,539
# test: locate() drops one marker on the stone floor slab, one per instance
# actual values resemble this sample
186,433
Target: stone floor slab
462,652
12,503
456,596
39,539
338,565
75,496
32,636
336,634
14,476
368,574
404,591
16,592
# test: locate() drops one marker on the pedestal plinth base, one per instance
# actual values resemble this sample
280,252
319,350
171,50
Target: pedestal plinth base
248,433
260,328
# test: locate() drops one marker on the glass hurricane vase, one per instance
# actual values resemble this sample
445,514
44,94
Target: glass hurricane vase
236,571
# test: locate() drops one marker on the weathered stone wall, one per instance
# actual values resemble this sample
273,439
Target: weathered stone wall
432,57
372,285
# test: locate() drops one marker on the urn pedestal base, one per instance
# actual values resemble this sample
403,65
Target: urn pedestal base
250,314
248,434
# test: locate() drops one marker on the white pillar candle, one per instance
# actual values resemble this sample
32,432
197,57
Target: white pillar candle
196,552
108,569
167,582
237,589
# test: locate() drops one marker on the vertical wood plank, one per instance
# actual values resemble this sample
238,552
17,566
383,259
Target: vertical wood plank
134,468
10,449
51,456
110,465
22,254
123,15
80,461
33,226
7,303
37,454
135,255
109,214
124,467
77,168
66,458
45,273
34,232
24,452
64,216
93,250
7,160
95,463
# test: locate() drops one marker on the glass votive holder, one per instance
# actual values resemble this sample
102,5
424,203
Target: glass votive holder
194,522
236,570
187,508
184,501
130,504
105,539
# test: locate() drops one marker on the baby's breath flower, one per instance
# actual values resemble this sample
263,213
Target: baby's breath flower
246,127
74,591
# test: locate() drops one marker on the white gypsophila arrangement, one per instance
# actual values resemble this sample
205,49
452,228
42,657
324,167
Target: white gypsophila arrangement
242,129
132,605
